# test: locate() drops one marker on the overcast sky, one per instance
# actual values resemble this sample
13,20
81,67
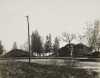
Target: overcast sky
47,16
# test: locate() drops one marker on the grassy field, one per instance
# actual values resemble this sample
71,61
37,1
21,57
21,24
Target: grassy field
26,70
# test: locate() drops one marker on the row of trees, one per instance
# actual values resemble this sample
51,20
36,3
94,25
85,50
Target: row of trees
91,36
38,46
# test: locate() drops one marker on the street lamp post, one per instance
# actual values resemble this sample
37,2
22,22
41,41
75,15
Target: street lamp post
29,39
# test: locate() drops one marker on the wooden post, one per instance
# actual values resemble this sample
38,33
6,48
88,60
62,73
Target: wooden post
29,39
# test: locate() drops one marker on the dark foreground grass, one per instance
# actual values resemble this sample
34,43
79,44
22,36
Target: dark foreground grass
26,70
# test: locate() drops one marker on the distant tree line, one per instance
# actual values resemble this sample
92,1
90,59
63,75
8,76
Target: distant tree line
38,47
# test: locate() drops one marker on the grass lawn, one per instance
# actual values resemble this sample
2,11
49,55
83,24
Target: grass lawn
26,70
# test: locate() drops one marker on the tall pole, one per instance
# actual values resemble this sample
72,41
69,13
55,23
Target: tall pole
29,39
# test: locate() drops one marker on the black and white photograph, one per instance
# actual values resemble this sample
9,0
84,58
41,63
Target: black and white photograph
49,38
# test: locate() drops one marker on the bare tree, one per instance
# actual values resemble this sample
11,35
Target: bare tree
67,37
92,32
81,38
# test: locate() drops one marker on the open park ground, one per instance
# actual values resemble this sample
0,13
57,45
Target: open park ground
22,69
